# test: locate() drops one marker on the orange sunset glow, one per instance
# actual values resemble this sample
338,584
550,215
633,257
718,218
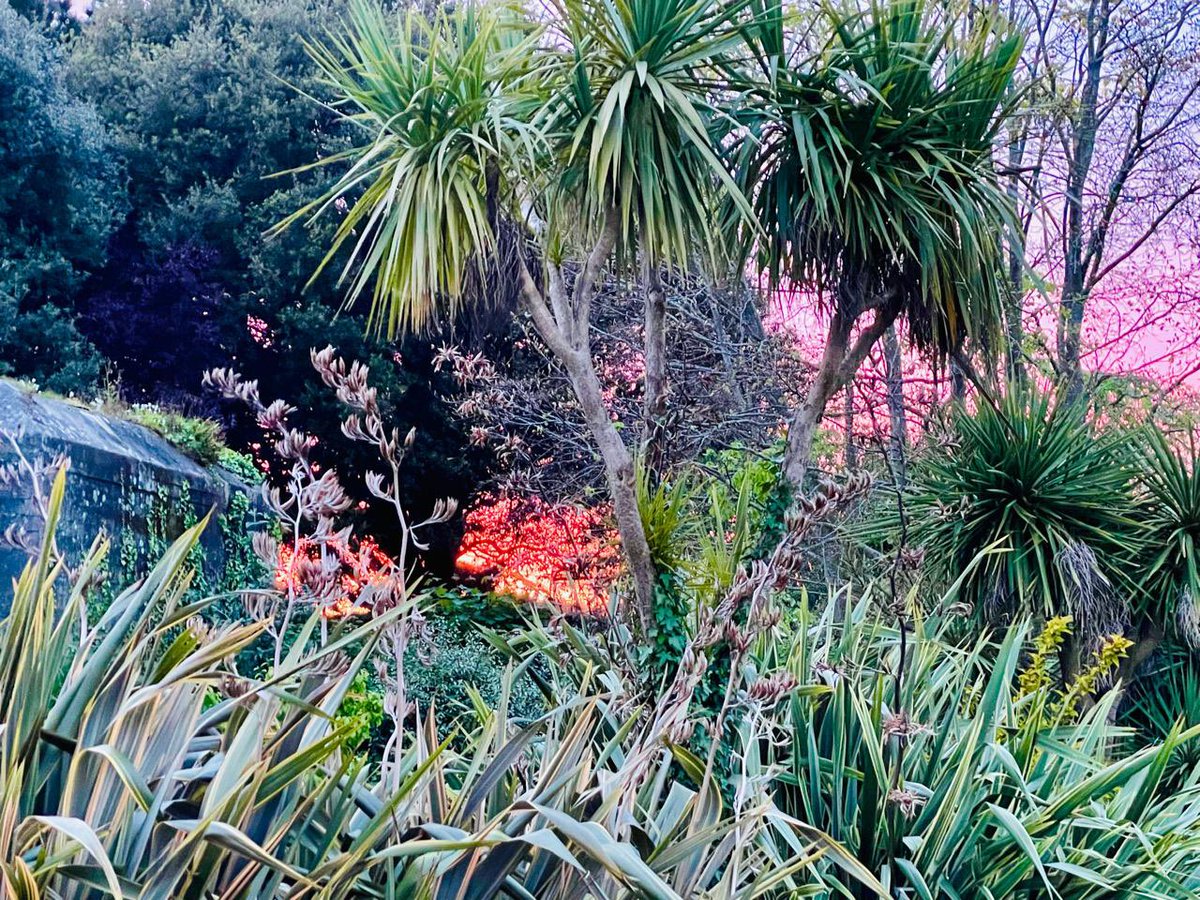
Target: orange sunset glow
533,550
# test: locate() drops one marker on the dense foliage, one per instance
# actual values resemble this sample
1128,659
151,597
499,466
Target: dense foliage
871,759
59,201
202,105
964,670
132,227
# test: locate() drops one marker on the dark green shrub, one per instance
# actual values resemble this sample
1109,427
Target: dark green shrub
1031,505
442,673
464,606
59,201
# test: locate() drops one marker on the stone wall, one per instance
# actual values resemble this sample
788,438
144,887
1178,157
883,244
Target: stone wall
124,479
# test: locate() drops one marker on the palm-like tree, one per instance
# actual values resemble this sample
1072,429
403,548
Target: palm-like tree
590,135
637,117
868,162
441,104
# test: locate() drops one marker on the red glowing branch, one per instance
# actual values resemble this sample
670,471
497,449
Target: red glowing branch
533,550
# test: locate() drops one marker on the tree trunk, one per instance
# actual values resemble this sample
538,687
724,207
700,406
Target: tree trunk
802,428
839,363
958,381
1069,347
1149,638
716,294
1074,294
1014,328
622,487
654,399
562,317
898,425
851,443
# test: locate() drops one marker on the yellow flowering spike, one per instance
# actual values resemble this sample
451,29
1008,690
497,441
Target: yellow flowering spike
1035,675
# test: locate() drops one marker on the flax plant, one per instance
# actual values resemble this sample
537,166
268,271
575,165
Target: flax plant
1001,794
137,761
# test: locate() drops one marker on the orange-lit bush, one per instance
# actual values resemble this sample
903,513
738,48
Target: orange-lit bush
533,550
334,571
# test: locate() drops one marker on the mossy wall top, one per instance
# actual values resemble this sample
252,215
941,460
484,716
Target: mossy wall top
124,479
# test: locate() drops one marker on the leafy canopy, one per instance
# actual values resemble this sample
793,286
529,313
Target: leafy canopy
868,159
481,115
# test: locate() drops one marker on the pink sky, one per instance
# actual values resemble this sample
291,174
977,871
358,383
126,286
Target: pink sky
1143,320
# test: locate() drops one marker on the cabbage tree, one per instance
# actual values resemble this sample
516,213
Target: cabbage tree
868,161
584,129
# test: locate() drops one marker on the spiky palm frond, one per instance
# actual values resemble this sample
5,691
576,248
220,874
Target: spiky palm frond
1171,516
480,113
443,104
635,115
869,161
